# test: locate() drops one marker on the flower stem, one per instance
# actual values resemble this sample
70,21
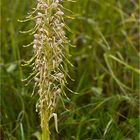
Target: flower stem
45,126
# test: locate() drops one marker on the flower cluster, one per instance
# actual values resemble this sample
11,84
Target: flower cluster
49,59
48,46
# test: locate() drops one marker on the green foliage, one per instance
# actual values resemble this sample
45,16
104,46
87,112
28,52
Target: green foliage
106,73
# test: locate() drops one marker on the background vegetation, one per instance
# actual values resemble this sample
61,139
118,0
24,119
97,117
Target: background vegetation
106,73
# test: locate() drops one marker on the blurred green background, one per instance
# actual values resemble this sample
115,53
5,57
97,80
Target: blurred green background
106,73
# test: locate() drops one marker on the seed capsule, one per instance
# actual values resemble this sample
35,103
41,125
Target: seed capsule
54,5
35,41
38,21
41,30
36,79
35,36
60,13
60,75
40,14
59,42
57,1
34,46
45,6
62,24
58,91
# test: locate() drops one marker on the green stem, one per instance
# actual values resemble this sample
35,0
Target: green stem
45,126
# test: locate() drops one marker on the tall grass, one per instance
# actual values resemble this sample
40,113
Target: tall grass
106,72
